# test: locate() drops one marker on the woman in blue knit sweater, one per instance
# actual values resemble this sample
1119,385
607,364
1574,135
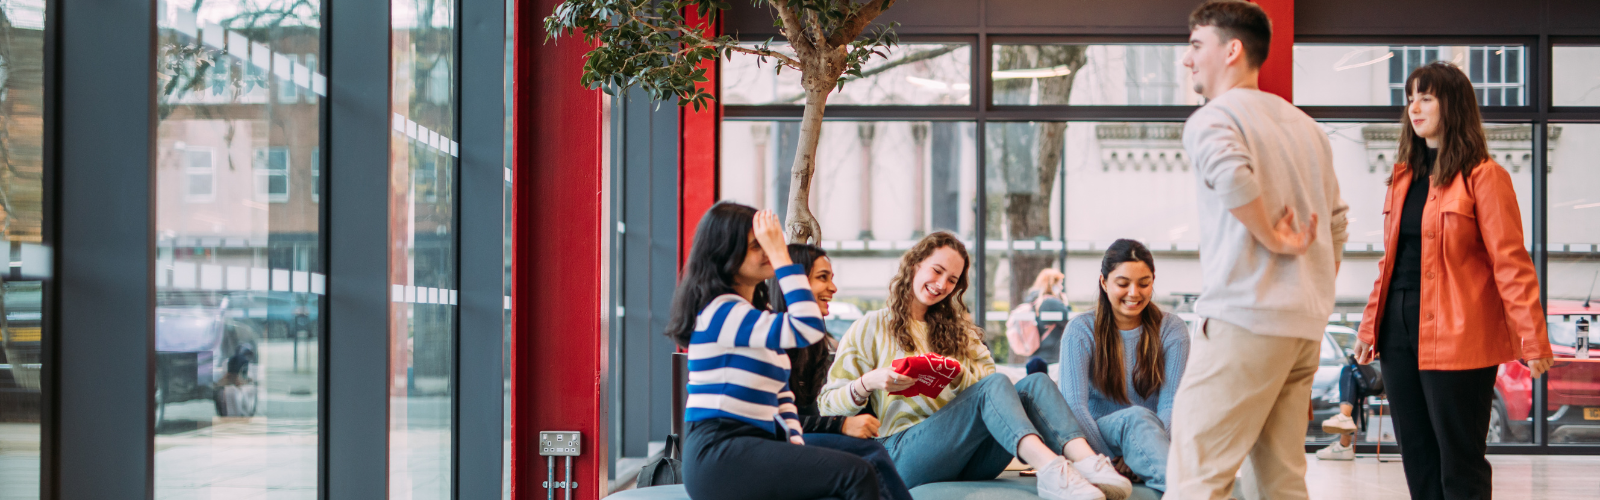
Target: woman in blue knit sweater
1121,364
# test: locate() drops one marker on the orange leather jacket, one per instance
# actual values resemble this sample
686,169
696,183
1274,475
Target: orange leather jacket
1479,302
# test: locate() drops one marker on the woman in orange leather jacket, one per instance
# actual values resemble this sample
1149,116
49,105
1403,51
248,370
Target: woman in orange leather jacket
1456,295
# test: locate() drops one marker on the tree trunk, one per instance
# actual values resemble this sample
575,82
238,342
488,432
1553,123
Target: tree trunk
1028,207
802,226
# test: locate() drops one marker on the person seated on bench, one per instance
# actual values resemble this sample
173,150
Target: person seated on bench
808,373
739,375
1121,365
980,420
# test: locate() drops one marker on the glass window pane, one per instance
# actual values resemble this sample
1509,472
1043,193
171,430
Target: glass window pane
912,74
1575,76
21,294
1087,75
506,250
1370,75
878,188
423,252
239,276
1574,262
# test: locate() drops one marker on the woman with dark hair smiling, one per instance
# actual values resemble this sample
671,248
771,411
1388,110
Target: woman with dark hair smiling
971,426
744,438
1456,293
1120,367
809,371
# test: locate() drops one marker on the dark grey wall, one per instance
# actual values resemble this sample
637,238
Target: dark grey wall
1156,17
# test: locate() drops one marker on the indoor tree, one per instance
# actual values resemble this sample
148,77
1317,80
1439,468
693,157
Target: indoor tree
651,44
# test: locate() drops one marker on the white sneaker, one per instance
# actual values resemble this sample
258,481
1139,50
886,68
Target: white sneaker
1339,424
1099,472
1337,451
1058,480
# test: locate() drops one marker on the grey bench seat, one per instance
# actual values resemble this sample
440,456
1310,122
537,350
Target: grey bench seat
1008,487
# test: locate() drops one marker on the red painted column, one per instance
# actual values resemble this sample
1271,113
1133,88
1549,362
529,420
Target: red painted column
558,341
1277,75
699,147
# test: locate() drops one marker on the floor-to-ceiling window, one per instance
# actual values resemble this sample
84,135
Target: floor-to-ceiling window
1076,141
22,333
422,250
239,274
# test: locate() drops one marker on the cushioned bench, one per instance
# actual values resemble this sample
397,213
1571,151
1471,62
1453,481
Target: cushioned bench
1008,487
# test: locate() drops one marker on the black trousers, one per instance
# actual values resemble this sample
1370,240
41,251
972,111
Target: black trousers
1440,417
725,459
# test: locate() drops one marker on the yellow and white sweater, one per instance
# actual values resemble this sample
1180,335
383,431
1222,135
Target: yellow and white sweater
869,345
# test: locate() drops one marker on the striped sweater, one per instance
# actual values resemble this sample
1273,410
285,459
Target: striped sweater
869,345
737,366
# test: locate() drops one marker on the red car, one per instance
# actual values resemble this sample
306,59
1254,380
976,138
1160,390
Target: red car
1574,399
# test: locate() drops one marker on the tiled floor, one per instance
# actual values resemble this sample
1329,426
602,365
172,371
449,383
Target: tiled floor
1515,477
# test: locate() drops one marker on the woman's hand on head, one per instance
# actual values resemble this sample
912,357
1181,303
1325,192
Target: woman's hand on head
885,379
860,426
769,233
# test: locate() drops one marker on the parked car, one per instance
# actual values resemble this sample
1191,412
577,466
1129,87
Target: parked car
202,354
1574,398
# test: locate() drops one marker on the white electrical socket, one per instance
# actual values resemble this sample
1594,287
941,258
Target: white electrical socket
559,443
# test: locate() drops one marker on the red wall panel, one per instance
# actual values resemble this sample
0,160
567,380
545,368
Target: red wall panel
1277,75
558,337
700,135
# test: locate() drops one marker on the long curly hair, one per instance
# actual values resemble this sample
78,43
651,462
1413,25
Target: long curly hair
950,330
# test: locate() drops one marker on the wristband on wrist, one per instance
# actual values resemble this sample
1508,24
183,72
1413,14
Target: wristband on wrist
859,392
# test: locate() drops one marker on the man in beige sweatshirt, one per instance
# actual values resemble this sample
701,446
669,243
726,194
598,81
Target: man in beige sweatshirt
1272,231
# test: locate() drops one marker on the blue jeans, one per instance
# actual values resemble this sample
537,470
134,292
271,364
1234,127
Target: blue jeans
1137,435
975,436
890,486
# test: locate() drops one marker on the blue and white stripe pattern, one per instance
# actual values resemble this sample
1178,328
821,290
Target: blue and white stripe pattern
737,367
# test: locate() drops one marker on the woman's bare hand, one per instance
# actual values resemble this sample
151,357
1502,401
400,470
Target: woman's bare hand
769,234
861,426
885,379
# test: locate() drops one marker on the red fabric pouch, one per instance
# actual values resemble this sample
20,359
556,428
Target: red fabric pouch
932,371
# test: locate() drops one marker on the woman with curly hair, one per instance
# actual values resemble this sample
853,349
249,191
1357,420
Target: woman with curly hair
980,421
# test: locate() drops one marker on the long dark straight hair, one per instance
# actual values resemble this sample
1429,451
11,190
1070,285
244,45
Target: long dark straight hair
808,365
1462,144
950,333
1107,367
714,260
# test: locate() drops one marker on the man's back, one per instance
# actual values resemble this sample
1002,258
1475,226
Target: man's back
1247,144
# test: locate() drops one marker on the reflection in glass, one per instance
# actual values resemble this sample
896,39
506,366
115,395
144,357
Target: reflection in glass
21,228
1573,265
1375,75
1088,75
877,189
507,202
1575,76
422,253
239,276
912,74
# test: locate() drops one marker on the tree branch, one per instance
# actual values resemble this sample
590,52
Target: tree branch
857,22
921,55
794,30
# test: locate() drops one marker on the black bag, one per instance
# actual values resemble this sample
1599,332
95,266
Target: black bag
1368,379
665,470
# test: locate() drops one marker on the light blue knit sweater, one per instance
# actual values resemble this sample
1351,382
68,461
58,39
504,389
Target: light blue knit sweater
1088,404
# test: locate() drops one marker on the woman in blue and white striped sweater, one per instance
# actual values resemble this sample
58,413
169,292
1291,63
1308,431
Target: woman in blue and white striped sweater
739,397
